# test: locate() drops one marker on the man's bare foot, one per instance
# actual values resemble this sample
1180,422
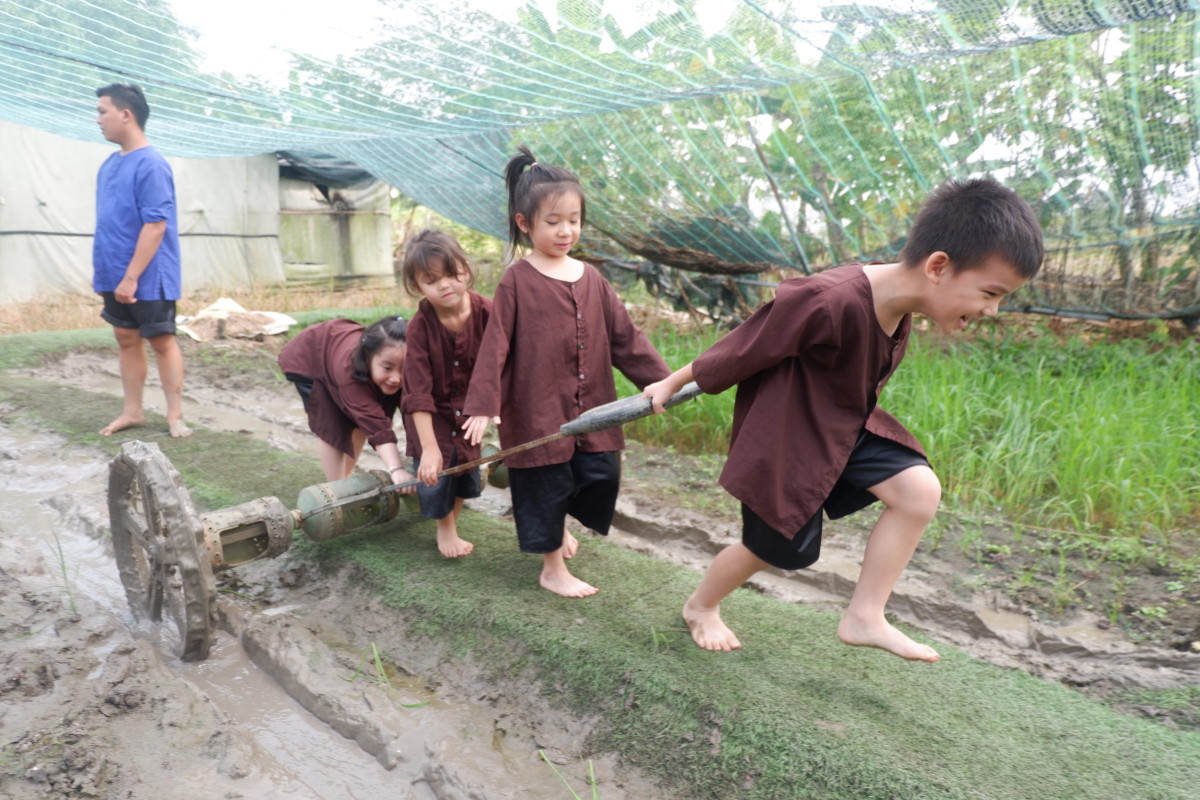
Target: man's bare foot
880,633
178,429
452,546
566,584
122,422
709,631
570,544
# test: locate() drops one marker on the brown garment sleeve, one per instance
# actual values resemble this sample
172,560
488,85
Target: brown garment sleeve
483,394
771,334
632,352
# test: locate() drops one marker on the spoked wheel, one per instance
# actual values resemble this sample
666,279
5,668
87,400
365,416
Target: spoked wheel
159,545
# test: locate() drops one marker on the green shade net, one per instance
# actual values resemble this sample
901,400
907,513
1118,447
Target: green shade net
721,138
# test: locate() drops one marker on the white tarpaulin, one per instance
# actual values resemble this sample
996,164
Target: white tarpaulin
228,216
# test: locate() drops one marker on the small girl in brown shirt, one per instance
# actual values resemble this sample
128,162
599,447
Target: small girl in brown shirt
443,343
349,378
557,330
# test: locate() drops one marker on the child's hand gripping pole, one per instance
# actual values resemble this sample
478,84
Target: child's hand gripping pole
618,412
600,418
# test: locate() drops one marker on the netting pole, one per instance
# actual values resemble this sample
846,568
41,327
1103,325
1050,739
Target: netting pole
762,159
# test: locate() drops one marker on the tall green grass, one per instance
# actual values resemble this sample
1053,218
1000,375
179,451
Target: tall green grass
1095,438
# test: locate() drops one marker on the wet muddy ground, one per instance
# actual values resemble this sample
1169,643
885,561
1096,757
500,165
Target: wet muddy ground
94,705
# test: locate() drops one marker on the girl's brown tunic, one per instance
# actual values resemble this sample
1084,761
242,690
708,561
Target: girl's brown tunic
437,371
548,356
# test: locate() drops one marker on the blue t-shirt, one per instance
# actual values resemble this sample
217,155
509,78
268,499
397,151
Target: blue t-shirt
131,190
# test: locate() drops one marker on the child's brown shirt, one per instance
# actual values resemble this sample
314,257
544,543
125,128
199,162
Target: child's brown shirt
437,371
809,366
548,355
338,403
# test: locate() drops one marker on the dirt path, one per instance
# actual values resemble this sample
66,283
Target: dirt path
93,707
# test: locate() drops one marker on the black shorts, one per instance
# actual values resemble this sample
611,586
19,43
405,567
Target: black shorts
873,460
149,317
438,500
585,487
304,387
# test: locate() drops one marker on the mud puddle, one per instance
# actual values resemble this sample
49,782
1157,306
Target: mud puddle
94,704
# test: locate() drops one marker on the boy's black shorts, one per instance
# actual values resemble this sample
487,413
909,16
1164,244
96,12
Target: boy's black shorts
873,460
585,487
438,500
149,317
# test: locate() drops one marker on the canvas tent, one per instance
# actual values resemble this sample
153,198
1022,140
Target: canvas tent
229,219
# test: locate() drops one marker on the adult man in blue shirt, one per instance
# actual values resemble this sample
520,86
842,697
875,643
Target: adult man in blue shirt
135,255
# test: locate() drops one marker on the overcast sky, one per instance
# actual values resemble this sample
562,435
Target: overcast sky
254,36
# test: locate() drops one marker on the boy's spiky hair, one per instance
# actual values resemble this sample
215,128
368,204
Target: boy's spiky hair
972,220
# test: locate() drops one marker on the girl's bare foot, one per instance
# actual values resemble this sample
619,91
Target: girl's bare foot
566,584
451,545
178,429
709,631
570,544
122,422
880,633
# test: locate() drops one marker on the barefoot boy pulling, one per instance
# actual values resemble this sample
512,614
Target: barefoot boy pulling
808,435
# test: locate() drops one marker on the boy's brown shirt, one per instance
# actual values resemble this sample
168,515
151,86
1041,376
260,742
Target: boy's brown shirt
809,366
437,372
548,356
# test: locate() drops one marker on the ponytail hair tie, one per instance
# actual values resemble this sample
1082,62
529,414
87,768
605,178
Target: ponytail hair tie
534,164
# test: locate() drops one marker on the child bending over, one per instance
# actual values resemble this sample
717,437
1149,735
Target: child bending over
443,343
557,330
349,378
807,434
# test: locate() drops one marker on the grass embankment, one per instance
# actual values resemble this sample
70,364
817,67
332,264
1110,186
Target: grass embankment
794,715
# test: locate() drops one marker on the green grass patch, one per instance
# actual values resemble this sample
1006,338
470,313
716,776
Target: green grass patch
21,350
220,470
1180,705
796,714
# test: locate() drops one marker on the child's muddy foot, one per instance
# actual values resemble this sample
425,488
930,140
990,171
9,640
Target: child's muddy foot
709,631
451,546
567,585
570,544
883,635
122,422
178,429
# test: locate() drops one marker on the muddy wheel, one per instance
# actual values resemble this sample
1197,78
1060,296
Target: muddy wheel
159,544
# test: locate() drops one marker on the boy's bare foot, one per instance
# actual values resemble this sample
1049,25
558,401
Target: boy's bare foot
122,422
178,429
709,631
566,584
880,633
452,546
570,544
